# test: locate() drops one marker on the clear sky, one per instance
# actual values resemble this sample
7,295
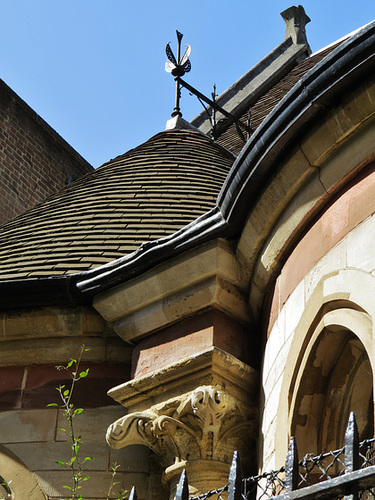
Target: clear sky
94,69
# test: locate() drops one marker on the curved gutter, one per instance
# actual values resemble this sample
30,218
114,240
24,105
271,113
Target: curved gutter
314,93
317,91
208,226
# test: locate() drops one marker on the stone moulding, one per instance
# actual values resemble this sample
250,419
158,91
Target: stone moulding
212,366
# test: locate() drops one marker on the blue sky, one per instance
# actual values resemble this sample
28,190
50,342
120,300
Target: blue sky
94,69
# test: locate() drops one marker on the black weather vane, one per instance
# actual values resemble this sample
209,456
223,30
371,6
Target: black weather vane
181,65
178,67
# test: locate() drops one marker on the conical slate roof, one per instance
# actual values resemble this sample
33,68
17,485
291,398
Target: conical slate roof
148,193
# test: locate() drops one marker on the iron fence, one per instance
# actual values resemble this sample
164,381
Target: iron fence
348,472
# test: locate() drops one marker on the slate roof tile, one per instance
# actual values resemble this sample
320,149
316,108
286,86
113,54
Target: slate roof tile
147,193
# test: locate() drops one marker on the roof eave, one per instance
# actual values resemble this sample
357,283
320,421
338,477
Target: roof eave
35,293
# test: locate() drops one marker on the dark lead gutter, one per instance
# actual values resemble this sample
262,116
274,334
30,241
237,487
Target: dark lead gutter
318,90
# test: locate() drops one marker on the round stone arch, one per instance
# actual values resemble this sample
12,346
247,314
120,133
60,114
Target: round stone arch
334,378
22,482
330,365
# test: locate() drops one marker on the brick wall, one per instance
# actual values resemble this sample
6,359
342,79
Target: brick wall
34,160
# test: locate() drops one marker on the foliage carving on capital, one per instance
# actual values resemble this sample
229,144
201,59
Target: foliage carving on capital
206,423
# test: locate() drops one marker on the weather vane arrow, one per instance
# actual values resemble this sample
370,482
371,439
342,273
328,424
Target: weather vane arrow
181,65
178,67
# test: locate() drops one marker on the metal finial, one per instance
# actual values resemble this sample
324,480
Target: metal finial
178,67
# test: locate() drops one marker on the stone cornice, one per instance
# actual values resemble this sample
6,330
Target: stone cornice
210,367
247,89
204,278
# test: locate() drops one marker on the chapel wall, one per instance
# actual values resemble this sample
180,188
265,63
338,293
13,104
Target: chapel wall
35,161
32,431
327,284
35,346
34,436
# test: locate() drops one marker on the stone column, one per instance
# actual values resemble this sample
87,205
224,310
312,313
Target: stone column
193,415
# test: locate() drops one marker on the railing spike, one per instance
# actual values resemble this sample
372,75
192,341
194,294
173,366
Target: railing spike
291,466
351,445
351,451
133,494
235,479
182,492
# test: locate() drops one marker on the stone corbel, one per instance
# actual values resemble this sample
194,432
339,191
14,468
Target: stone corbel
197,427
203,426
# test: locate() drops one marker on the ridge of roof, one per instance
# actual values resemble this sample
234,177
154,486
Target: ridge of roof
255,82
267,101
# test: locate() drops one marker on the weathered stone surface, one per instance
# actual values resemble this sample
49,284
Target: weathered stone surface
58,351
23,426
51,321
352,154
205,277
11,379
337,149
209,329
297,211
92,424
273,201
24,484
210,367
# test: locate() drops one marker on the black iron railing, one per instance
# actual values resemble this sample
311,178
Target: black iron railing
347,472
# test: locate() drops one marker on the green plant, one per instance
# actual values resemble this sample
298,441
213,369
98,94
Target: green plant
122,493
76,463
5,486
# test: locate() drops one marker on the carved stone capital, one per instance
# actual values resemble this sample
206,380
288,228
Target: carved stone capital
192,415
203,424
